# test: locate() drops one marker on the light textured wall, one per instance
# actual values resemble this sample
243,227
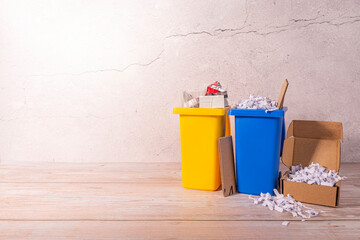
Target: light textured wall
96,81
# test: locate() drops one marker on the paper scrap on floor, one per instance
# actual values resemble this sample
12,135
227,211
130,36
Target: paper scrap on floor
287,204
285,223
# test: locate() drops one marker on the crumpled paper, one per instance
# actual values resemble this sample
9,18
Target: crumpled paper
255,102
314,174
190,100
288,204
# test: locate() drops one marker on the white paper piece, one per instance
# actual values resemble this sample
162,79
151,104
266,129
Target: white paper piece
314,174
257,103
285,223
284,204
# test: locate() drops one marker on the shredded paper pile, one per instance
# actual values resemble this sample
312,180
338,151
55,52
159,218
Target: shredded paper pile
314,174
257,103
287,204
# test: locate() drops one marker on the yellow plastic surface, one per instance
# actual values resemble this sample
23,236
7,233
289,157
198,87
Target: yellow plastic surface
199,149
227,123
200,111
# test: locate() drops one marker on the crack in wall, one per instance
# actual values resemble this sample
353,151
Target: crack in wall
242,26
220,31
294,22
283,28
188,34
120,70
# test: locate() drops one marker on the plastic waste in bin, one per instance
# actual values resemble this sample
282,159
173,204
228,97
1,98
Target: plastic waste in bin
259,136
199,130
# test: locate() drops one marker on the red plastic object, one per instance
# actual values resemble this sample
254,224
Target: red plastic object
214,88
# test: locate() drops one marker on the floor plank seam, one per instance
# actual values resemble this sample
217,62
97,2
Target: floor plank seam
176,220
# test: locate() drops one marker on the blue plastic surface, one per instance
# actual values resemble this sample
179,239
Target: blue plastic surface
259,137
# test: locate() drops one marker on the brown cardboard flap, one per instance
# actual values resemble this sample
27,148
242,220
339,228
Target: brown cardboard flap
315,129
325,152
315,194
227,169
287,154
305,151
337,185
282,180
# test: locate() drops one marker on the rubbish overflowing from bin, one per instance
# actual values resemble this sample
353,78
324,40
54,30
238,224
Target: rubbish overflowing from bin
203,120
280,203
257,103
259,136
314,174
215,96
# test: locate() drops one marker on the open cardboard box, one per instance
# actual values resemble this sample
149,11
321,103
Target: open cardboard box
317,142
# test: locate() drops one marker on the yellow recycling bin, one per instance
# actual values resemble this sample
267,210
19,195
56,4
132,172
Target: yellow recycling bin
199,130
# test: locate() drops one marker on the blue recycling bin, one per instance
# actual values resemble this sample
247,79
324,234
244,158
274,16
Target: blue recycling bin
259,137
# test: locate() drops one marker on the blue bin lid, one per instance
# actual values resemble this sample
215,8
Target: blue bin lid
257,112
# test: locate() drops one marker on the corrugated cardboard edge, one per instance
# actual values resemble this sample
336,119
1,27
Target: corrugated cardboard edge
288,149
313,194
338,184
314,129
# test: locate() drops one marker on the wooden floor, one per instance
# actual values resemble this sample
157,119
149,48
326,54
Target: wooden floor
146,201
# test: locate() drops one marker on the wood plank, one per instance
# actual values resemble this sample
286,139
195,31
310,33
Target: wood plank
140,201
90,172
147,201
169,172
108,230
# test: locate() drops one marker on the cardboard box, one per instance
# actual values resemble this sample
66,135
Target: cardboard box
213,101
317,142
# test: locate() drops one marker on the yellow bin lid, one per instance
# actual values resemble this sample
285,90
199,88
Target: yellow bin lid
200,111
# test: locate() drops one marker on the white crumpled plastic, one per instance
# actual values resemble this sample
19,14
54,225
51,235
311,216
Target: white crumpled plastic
284,204
314,174
257,103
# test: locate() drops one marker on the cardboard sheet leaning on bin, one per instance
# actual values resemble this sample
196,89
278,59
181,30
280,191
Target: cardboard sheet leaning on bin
317,142
226,159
